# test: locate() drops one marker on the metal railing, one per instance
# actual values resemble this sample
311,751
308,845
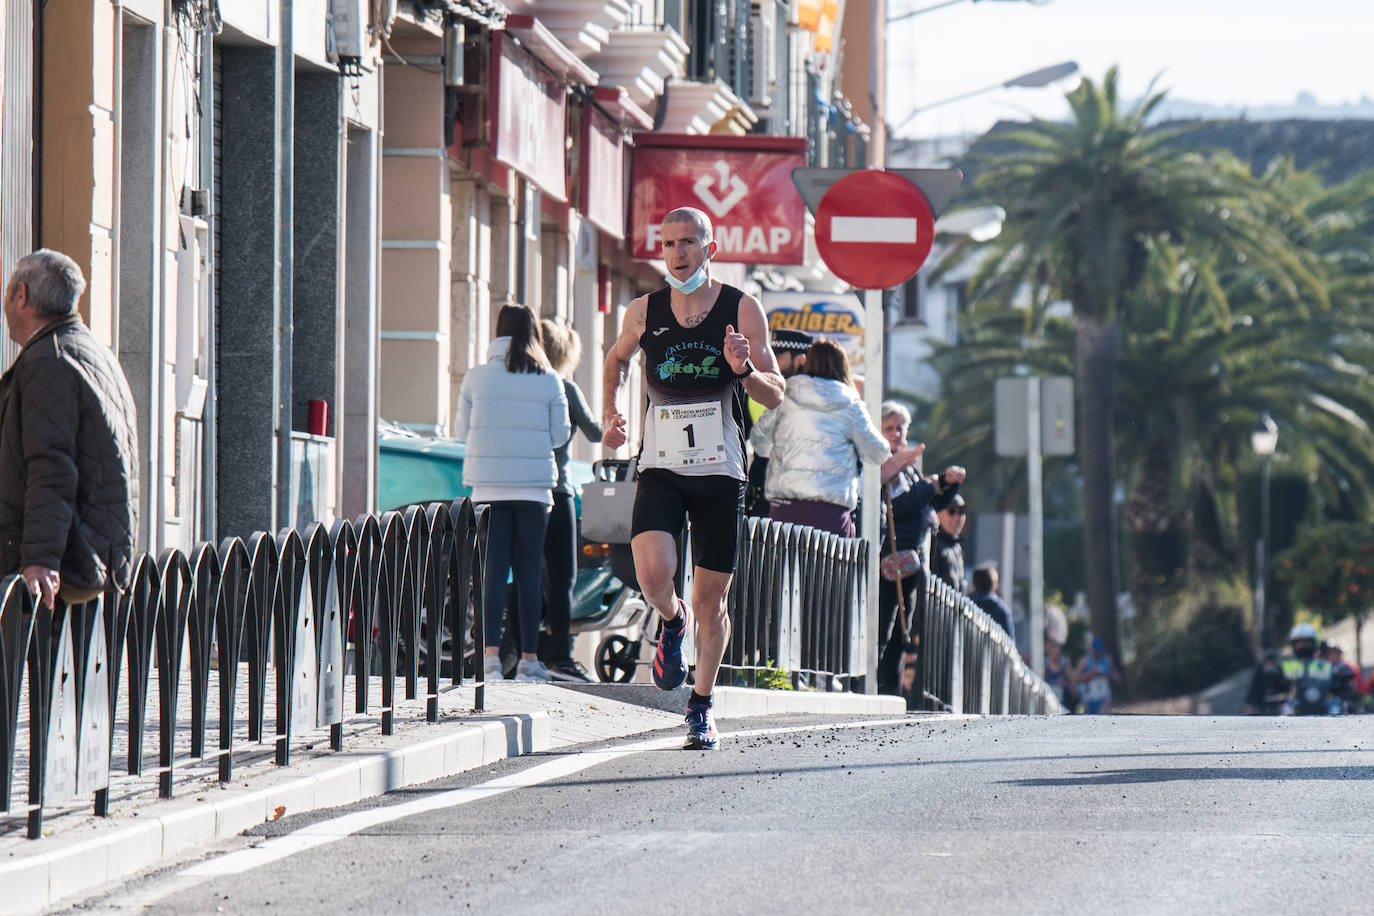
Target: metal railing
297,597
363,596
967,663
797,604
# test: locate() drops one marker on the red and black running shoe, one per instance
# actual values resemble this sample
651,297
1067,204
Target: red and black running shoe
670,670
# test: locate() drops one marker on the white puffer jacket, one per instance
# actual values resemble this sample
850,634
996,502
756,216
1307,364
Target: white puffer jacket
814,441
511,422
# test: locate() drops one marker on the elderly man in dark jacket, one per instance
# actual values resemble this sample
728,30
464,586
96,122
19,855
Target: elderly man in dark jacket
68,442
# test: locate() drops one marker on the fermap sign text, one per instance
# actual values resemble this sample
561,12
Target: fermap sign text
743,184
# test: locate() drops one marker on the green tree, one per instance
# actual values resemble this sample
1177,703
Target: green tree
1085,201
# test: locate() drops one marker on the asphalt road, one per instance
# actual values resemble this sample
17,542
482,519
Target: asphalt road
928,815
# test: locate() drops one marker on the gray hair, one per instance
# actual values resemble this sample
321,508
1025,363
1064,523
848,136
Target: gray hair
53,281
692,215
895,409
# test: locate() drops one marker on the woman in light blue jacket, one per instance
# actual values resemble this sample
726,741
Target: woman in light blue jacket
814,441
512,413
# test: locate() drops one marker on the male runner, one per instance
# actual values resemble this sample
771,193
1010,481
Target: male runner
702,342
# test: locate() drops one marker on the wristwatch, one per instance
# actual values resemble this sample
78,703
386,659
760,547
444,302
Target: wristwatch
748,370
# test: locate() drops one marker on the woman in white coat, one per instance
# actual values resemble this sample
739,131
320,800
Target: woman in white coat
512,413
815,441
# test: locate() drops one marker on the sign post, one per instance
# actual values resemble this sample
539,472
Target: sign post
874,230
1033,417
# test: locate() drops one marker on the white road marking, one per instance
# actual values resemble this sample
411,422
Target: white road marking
334,829
892,229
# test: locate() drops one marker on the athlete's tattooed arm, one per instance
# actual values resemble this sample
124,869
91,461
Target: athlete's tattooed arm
617,372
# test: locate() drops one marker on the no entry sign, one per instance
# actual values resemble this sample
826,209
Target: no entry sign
874,229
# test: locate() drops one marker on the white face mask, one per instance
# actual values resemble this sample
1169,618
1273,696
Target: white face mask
692,283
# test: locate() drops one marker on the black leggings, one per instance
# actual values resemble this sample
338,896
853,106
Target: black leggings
514,540
890,642
560,556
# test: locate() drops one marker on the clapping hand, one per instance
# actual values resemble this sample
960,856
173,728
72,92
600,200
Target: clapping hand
909,455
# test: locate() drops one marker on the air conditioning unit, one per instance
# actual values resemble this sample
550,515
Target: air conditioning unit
765,54
348,21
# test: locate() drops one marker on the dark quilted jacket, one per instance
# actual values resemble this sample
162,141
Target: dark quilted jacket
68,460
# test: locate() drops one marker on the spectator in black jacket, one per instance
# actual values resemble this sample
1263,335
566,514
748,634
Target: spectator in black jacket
947,552
985,595
914,496
68,442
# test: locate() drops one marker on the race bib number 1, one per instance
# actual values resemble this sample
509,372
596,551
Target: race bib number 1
689,434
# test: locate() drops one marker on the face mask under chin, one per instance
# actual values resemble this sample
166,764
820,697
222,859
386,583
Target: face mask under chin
692,283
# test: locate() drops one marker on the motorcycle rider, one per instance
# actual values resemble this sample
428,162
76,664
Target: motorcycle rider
1345,682
1268,688
1309,674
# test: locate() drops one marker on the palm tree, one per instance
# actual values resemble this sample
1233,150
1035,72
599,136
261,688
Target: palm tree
1085,200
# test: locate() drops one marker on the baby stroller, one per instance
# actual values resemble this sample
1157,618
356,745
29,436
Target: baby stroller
607,504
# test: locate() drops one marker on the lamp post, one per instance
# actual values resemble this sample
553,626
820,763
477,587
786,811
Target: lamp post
939,6
1264,438
1036,79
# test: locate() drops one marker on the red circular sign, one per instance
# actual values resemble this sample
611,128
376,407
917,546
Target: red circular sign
874,229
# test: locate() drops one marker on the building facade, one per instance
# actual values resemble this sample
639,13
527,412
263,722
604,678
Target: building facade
299,218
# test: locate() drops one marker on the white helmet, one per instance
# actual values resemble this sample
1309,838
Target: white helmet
1302,631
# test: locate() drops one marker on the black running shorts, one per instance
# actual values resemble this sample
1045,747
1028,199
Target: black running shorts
715,505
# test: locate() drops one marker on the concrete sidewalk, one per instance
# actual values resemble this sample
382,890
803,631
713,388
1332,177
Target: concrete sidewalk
80,852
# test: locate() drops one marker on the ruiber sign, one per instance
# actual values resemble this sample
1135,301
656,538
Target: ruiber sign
743,183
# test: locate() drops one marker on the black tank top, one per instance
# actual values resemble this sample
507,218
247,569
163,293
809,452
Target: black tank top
683,365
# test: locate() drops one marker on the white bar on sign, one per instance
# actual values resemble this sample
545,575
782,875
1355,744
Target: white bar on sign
898,229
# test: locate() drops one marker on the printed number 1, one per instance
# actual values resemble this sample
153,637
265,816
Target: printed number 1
691,436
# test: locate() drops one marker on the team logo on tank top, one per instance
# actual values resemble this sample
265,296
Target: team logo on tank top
690,361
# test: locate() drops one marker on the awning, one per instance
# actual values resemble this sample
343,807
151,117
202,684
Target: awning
529,120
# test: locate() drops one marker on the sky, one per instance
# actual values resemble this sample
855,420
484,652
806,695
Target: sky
1248,53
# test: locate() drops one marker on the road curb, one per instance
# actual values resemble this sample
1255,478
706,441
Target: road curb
54,871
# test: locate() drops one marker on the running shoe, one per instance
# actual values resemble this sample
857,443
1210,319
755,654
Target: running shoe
531,671
701,729
491,668
669,668
569,671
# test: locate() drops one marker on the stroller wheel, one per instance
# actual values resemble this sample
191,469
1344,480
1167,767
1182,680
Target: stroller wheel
616,659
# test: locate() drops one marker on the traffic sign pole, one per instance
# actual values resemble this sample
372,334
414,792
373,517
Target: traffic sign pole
874,229
871,484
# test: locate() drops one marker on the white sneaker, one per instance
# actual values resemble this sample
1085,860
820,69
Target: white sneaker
491,668
532,671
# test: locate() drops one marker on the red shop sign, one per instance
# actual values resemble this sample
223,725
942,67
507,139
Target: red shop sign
743,183
530,123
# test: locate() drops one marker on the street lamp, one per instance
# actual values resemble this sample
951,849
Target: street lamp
1264,438
939,6
1036,79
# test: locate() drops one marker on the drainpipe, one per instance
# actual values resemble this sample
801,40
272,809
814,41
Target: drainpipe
286,116
209,510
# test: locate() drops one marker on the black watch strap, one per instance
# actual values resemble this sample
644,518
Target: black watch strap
748,370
